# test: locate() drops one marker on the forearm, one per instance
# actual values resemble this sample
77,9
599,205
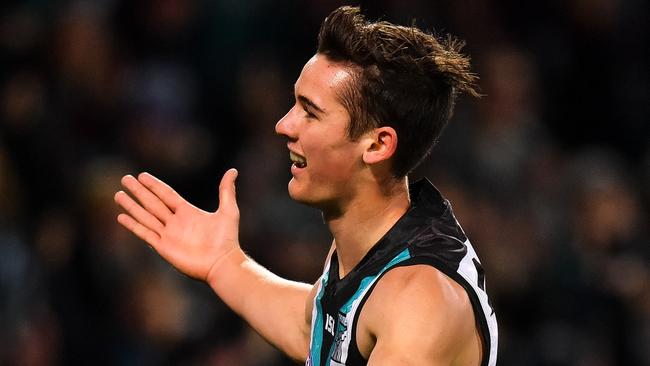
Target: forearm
273,306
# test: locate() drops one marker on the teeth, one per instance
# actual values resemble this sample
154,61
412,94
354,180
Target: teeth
297,159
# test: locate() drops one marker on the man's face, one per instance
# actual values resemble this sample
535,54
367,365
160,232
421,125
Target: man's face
325,161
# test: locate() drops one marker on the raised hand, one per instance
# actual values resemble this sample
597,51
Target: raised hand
192,240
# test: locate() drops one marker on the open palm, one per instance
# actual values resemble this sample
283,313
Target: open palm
192,240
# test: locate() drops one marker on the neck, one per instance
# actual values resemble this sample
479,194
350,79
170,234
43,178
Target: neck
365,220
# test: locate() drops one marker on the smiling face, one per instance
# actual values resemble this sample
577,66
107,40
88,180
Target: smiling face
326,163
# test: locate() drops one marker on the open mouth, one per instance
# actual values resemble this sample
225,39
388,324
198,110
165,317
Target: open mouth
297,160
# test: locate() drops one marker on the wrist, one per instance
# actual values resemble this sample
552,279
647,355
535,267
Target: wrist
233,257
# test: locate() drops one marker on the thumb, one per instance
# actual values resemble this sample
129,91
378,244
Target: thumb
227,193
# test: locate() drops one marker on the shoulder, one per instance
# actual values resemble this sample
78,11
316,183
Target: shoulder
426,291
419,306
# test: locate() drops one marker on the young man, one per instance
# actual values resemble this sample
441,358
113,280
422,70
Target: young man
402,285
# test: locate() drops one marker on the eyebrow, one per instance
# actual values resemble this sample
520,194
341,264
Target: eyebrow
306,101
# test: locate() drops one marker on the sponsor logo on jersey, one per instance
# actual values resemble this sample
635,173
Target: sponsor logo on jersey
341,334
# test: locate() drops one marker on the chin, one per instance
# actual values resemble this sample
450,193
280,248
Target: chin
302,195
295,191
298,193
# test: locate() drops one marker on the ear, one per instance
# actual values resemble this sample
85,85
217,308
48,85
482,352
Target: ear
383,143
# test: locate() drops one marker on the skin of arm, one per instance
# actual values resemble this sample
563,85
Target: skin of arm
418,316
205,246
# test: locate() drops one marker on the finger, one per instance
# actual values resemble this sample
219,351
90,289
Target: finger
149,200
139,230
227,191
137,212
164,192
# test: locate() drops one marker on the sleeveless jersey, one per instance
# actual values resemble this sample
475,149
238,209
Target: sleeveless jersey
427,234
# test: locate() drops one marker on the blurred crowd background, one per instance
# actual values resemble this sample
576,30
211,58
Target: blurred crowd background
549,172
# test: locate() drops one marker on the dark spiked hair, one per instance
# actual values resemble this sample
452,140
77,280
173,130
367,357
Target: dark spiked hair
402,77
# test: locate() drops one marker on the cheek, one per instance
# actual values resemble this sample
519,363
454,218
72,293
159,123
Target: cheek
330,155
337,163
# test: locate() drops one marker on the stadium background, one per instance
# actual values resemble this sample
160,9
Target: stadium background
549,173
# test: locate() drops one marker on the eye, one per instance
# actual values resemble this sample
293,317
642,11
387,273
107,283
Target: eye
309,114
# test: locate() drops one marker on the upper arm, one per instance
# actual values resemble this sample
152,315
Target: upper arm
416,315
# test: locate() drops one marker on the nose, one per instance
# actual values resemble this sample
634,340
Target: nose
286,126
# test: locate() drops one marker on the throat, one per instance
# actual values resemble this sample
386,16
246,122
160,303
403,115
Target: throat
349,259
357,231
